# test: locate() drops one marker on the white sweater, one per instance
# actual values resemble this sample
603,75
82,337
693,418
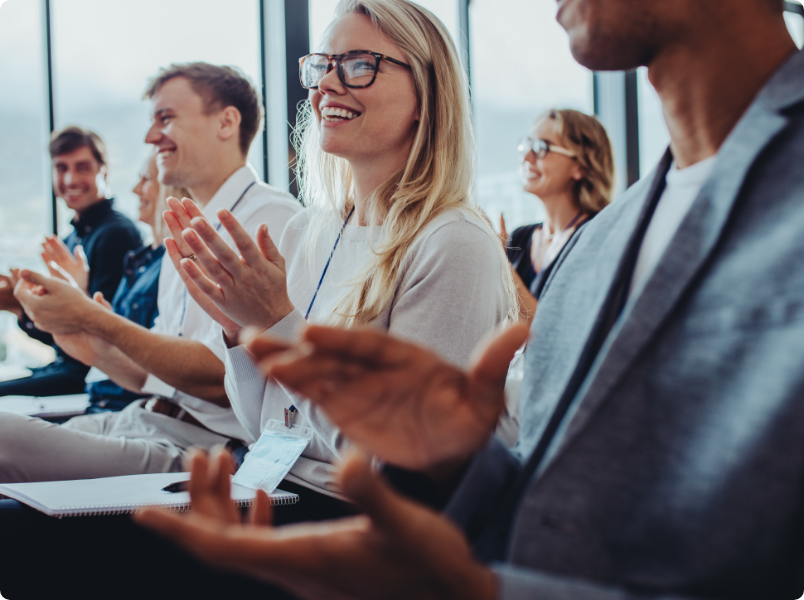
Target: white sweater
449,295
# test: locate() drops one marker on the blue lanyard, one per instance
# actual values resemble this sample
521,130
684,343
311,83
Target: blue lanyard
217,228
329,260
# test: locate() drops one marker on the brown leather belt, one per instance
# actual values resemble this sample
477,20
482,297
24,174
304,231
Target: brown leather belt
158,405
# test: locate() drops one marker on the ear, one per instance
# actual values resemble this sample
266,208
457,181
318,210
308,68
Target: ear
577,175
229,123
103,172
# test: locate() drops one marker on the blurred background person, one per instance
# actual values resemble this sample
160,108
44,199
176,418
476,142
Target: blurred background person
104,235
136,296
568,163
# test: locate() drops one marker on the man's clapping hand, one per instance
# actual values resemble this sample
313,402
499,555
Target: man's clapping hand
396,400
398,550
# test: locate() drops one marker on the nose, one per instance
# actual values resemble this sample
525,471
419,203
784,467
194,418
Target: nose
154,135
68,177
330,82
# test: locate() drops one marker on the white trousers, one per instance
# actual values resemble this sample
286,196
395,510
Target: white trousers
102,445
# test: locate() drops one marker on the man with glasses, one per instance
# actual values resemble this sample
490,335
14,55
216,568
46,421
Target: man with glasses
660,449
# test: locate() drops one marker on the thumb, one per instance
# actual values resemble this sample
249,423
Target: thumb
490,367
35,278
98,297
386,509
81,255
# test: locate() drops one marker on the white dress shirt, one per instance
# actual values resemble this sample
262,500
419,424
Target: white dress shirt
179,314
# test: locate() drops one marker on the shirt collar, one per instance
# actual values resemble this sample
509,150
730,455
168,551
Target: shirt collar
92,216
230,191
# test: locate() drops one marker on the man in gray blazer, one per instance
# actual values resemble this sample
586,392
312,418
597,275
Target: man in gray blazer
661,452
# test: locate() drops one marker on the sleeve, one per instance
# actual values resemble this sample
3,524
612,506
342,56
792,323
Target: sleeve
518,583
246,387
452,296
106,259
489,476
449,299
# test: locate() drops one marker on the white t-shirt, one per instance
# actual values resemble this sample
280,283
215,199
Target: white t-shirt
683,186
179,314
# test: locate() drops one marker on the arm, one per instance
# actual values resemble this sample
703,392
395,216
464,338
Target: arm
184,364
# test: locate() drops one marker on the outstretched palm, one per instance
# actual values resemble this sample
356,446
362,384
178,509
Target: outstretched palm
395,399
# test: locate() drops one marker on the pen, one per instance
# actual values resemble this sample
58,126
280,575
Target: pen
179,486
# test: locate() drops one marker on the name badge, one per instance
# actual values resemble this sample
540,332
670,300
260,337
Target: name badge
273,455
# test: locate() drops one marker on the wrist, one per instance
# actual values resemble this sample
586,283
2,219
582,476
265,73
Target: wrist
276,316
488,586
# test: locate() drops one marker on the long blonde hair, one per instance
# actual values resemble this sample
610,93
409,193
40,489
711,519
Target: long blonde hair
437,177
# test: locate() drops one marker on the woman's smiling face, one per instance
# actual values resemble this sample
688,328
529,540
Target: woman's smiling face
372,124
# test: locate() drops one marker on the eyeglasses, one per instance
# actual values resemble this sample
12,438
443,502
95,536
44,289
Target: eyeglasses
541,148
356,69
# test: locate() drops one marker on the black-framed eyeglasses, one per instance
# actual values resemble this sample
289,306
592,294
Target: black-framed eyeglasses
541,148
356,69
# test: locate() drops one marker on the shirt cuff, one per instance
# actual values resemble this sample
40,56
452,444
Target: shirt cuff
240,362
157,387
289,329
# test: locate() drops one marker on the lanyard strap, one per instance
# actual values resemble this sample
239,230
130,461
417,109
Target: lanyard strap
329,260
217,228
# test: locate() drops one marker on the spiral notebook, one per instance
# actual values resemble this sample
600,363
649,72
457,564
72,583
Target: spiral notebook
118,495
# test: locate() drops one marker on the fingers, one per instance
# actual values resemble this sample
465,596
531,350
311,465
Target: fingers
250,252
222,467
179,212
214,243
262,346
59,273
216,269
35,278
268,248
82,257
200,281
387,510
175,229
98,297
361,344
493,358
261,513
192,208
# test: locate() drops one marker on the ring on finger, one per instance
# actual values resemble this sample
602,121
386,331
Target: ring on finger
192,257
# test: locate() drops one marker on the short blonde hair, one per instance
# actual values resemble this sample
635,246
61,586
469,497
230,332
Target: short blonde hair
587,139
438,175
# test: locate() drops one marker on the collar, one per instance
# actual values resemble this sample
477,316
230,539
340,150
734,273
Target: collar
92,217
230,191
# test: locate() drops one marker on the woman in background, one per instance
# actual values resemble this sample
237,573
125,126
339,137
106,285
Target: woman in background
567,162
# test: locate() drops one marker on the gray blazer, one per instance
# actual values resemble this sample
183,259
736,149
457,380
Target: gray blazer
680,470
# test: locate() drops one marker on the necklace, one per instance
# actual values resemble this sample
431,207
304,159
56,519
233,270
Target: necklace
329,260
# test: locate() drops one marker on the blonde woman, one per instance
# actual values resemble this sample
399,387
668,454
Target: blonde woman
390,238
136,294
567,162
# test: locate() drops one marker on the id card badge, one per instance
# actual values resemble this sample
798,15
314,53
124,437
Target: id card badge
273,456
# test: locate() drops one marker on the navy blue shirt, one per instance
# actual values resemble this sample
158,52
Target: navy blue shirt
135,299
107,236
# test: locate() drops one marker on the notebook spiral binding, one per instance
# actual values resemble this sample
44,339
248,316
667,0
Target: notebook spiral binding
81,511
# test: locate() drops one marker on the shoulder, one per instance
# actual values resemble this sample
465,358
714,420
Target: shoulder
453,239
269,205
455,228
118,228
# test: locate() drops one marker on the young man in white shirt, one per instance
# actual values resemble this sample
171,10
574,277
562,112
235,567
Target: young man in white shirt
204,120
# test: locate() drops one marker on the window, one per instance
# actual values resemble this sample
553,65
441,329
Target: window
521,65
101,70
653,135
25,200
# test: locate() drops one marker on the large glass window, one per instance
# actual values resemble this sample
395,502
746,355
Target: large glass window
25,199
101,69
653,135
322,11
521,66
